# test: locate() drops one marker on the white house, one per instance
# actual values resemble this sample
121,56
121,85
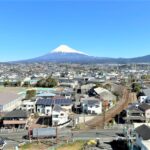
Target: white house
142,99
59,116
44,106
64,82
91,105
28,105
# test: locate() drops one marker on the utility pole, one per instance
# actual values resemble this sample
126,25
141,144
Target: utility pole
56,134
104,117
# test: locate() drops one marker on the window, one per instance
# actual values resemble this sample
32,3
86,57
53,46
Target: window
55,116
93,112
96,106
55,123
135,114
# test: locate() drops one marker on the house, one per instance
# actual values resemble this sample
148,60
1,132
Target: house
146,110
142,99
105,95
66,92
59,116
28,105
133,114
143,137
15,119
147,100
64,82
147,92
44,106
91,105
94,80
85,88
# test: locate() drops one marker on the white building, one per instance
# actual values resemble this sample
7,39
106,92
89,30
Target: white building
28,105
91,105
10,98
142,99
59,116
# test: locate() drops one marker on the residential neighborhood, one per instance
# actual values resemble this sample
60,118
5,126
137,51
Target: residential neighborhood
75,97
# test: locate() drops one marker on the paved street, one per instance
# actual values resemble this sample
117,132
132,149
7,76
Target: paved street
14,138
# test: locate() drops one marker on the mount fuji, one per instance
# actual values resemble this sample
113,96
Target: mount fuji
66,54
66,49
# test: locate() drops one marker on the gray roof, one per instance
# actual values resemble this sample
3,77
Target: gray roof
93,102
143,131
146,91
16,114
105,94
58,108
144,107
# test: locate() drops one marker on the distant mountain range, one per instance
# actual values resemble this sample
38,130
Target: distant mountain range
65,54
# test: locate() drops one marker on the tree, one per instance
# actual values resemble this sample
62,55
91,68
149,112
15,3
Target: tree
140,94
48,82
30,94
51,82
6,83
26,84
136,87
18,83
145,77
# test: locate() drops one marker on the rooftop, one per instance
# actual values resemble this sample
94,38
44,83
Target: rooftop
49,102
143,131
16,114
8,94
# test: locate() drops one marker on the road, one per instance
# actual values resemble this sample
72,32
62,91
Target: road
107,135
13,139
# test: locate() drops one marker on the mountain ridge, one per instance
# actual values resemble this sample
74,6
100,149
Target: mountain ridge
66,54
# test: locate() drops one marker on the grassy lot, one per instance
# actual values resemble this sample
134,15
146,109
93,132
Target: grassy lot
78,145
34,146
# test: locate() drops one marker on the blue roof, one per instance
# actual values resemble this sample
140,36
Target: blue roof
46,89
50,102
46,94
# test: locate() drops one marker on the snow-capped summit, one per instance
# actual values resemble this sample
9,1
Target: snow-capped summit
66,49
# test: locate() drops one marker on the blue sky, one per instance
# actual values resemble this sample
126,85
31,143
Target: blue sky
100,28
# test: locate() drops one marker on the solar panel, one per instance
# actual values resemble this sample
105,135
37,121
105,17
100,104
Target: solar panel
54,101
